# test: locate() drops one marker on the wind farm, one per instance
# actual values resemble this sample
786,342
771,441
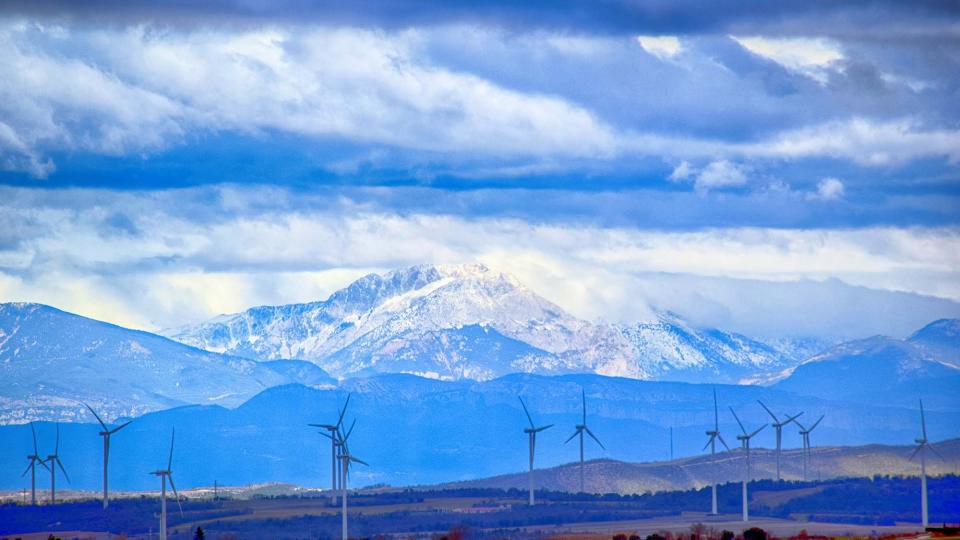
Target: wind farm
434,270
440,452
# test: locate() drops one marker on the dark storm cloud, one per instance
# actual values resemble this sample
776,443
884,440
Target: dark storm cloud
916,18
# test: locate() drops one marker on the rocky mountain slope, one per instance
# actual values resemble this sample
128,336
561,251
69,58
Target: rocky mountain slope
51,360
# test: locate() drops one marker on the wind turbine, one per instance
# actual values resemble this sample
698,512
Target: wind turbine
32,467
712,443
744,439
922,445
580,429
54,461
805,433
106,433
345,459
167,474
778,426
532,438
334,448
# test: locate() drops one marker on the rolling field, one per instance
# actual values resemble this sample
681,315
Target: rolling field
851,507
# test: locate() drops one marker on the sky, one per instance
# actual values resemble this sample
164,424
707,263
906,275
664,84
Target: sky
769,167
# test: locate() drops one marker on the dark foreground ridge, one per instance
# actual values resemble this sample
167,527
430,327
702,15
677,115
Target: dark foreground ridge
491,512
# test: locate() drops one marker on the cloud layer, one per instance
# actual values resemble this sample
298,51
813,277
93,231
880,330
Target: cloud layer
174,256
162,162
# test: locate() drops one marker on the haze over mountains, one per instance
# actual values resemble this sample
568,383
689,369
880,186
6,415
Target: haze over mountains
468,321
423,431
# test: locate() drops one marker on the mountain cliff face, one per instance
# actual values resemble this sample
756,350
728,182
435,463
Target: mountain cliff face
471,322
51,360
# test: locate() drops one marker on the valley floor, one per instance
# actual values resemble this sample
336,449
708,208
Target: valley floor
851,507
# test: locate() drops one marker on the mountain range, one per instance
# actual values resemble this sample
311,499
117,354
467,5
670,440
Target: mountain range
467,321
445,323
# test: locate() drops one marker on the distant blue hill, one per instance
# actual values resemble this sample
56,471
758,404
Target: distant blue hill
887,370
414,430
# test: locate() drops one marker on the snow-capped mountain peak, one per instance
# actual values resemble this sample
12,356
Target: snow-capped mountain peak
452,321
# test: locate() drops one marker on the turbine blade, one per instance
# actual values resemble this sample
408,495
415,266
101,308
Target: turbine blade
34,432
44,463
716,413
719,436
358,460
60,463
575,433
121,426
792,418
590,433
815,423
743,429
583,400
173,432
923,421
539,429
710,440
349,431
525,411
775,420
97,416
915,451
24,473
936,452
175,494
757,431
344,411
56,449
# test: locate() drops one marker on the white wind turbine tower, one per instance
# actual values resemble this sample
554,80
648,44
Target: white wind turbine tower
32,467
54,461
334,448
805,433
712,443
106,433
580,429
532,438
922,445
778,426
345,459
744,439
167,474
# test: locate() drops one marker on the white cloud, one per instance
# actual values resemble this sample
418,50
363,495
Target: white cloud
809,56
141,90
681,172
863,141
720,174
129,91
663,47
828,189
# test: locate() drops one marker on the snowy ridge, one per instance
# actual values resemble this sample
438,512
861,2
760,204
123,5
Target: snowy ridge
468,321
